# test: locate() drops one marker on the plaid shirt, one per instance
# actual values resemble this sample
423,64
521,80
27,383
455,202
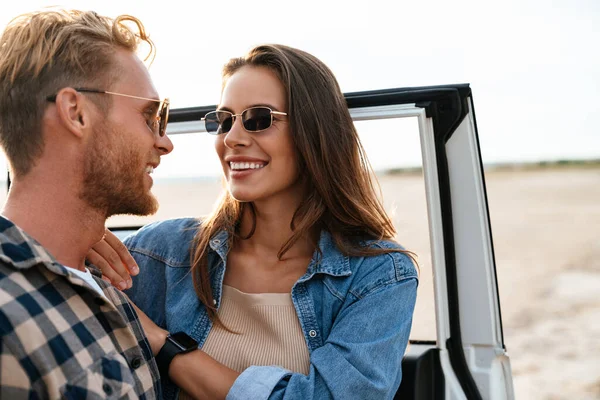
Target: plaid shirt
62,339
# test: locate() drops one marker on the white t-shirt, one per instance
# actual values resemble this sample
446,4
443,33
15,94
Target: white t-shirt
88,278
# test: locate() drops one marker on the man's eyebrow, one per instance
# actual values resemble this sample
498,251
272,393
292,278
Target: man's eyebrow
152,104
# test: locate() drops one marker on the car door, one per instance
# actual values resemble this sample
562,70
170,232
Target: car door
462,354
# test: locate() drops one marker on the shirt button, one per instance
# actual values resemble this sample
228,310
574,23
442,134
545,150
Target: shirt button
312,333
215,302
216,241
107,389
136,362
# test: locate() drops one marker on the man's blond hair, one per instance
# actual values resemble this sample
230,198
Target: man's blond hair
44,51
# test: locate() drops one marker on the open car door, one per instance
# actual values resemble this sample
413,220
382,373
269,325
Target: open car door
465,357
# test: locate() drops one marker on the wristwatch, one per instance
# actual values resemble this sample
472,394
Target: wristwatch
176,343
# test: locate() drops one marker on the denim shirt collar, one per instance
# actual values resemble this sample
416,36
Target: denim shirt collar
330,262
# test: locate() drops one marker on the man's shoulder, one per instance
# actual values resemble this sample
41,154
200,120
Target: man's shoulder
29,299
9,283
16,282
20,250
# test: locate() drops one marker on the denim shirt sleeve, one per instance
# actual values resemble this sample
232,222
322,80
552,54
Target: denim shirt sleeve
361,358
161,250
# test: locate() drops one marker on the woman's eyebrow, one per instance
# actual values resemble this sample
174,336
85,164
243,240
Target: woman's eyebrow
271,106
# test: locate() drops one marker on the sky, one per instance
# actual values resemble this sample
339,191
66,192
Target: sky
533,65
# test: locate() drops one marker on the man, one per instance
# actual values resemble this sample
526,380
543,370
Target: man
83,128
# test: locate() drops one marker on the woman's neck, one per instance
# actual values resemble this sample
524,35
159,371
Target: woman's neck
272,229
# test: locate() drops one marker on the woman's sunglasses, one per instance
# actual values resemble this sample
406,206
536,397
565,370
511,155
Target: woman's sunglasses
254,119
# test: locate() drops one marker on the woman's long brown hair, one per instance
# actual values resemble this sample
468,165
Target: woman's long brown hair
341,186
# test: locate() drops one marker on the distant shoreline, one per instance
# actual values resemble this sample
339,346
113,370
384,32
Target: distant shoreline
510,166
489,167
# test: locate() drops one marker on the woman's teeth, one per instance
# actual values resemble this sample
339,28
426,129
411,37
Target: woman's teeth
149,169
245,165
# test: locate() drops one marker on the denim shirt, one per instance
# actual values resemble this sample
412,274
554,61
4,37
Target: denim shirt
355,312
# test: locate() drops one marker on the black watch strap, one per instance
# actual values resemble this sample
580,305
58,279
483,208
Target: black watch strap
176,343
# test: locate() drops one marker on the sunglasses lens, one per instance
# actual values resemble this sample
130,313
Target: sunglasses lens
164,118
211,123
226,123
257,119
217,122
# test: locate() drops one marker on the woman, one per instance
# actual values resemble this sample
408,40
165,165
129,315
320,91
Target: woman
292,287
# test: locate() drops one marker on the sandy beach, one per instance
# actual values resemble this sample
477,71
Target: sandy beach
545,225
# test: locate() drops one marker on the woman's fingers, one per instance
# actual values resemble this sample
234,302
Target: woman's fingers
107,257
118,246
114,260
113,274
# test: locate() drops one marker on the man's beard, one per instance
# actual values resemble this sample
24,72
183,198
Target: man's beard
113,176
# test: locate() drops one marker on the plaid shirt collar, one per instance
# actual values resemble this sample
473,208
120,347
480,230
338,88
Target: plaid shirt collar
22,251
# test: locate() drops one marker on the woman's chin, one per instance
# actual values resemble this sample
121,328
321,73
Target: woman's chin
243,196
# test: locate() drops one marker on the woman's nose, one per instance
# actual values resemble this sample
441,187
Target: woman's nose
237,135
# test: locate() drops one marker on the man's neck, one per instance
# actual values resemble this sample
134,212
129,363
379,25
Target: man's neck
59,221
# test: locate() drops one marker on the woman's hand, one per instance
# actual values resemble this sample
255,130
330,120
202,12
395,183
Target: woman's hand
114,260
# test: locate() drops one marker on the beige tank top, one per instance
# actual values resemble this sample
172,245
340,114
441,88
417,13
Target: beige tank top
268,333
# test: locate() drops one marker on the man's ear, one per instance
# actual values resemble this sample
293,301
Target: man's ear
73,112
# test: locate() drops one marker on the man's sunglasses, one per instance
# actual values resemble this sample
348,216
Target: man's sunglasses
254,119
158,126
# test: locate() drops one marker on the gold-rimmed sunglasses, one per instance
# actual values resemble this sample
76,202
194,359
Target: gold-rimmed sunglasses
159,126
254,119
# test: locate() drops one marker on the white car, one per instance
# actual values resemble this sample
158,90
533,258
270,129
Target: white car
467,358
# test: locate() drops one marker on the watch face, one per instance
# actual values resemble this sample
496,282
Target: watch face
184,341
